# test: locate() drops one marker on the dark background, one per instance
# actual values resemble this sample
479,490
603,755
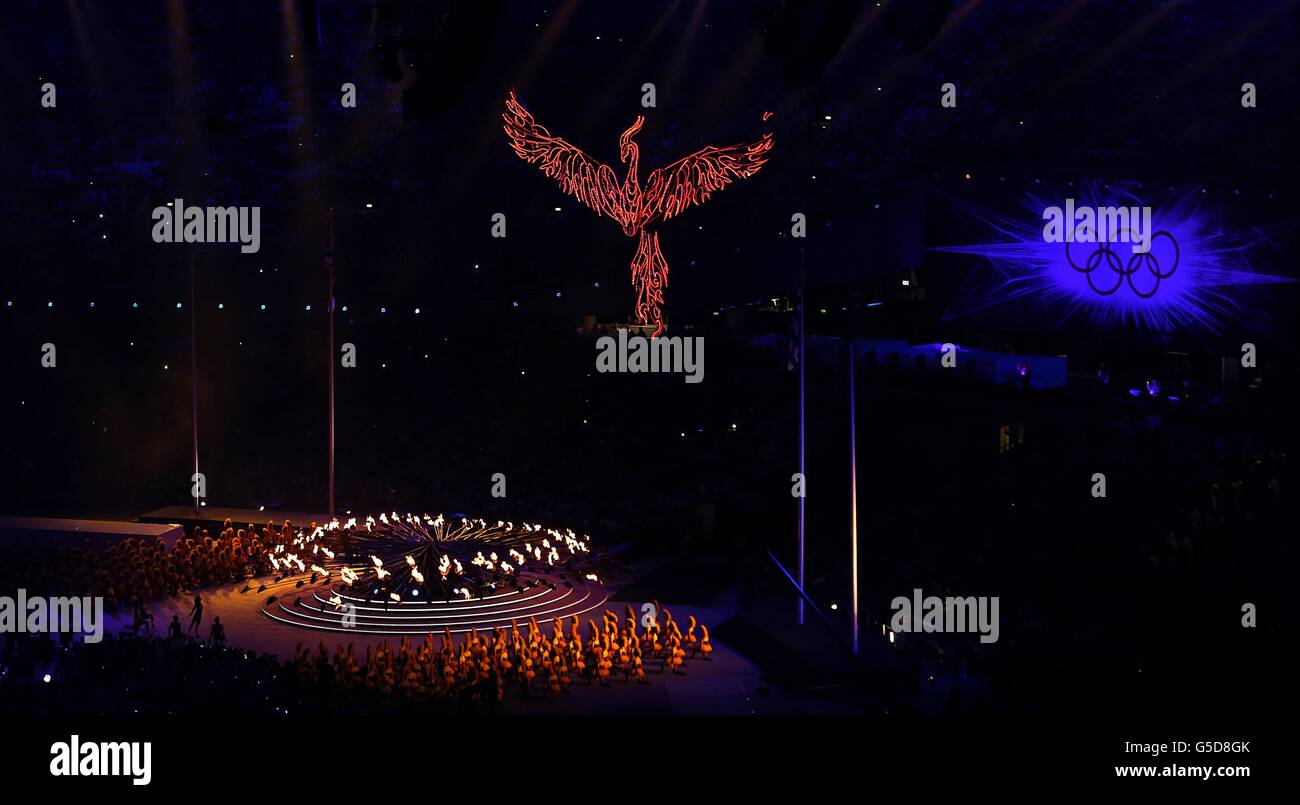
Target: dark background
237,103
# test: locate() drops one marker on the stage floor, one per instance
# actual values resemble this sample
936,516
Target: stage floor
727,684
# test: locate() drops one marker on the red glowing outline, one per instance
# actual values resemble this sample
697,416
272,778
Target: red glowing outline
668,191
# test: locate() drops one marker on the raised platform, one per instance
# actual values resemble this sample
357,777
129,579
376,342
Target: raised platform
45,531
216,515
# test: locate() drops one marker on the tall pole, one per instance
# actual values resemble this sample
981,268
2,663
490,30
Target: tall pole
194,381
803,359
853,490
329,263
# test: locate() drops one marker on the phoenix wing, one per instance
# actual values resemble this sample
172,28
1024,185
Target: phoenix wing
581,176
690,180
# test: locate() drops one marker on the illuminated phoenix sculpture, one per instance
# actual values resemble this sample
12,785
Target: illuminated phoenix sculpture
666,193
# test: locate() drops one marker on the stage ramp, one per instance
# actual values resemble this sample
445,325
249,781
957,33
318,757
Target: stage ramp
28,532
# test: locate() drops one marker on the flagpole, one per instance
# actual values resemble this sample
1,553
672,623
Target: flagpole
803,355
194,382
853,490
330,312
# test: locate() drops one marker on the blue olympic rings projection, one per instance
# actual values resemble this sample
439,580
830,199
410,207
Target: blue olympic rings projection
1195,272
1125,271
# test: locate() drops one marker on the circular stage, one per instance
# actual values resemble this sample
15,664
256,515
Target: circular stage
415,574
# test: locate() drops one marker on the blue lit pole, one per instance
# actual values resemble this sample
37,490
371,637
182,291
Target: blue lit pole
853,490
803,359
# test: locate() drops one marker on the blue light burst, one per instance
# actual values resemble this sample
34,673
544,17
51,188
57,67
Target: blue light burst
1189,280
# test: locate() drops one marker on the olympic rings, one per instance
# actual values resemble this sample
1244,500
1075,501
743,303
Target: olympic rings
1124,271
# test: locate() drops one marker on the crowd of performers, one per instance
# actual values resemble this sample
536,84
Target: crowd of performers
478,670
145,570
133,570
128,675
534,661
